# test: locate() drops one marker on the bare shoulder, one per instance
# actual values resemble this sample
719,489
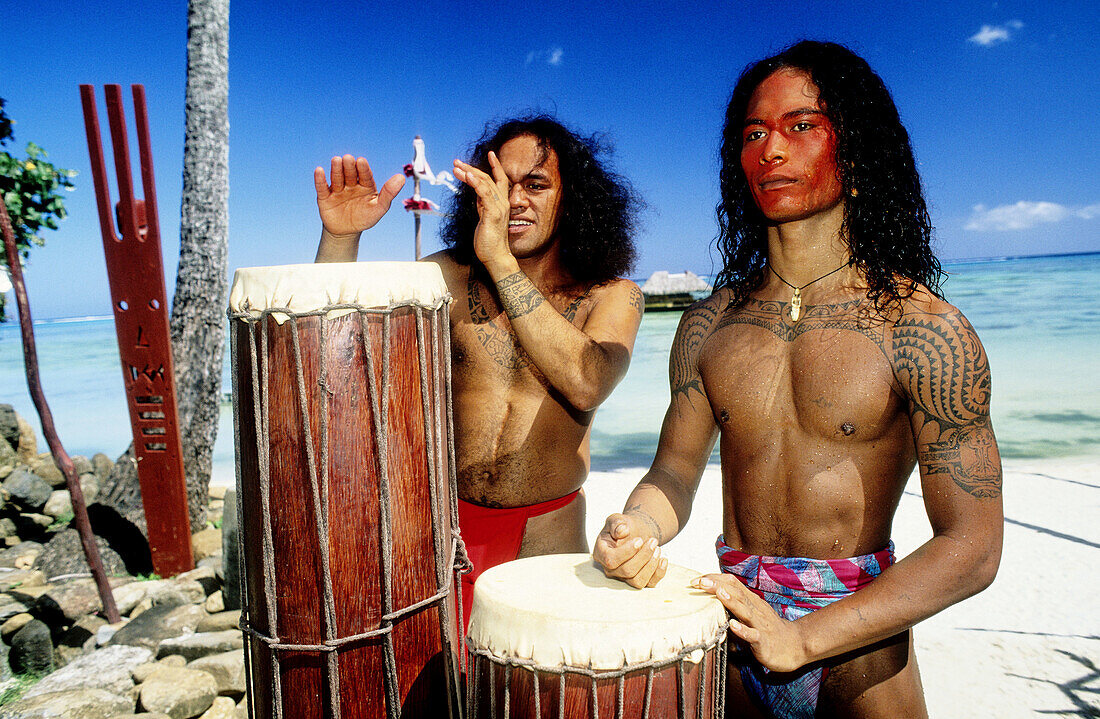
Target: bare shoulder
454,273
620,294
939,360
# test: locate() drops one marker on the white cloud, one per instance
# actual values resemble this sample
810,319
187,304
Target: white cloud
553,56
991,35
1024,215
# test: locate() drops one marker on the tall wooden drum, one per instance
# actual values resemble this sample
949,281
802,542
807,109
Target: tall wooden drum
552,636
346,492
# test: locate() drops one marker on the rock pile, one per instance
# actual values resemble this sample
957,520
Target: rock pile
177,651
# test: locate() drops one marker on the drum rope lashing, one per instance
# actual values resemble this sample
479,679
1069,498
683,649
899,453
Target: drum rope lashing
718,642
459,562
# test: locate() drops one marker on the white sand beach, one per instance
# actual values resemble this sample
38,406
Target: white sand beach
1029,645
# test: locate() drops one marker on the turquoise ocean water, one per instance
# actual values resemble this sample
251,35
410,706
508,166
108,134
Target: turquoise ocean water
1038,317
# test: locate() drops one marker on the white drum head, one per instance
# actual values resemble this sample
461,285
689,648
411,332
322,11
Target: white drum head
305,288
561,610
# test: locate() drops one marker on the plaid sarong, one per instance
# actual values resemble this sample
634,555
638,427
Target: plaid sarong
794,587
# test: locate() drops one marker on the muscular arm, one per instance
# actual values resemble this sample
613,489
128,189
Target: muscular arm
583,363
661,503
942,368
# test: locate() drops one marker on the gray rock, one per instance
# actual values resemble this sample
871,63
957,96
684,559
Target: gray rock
48,471
8,460
174,592
73,704
10,608
81,464
205,542
31,649
205,576
67,601
104,633
215,603
179,693
89,485
143,715
221,621
214,562
20,578
107,668
59,504
9,426
21,556
128,595
13,624
102,466
28,445
158,624
201,644
64,554
27,489
222,708
227,669
7,527
231,586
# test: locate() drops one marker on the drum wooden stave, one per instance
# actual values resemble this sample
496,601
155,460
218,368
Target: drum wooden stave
553,637
346,490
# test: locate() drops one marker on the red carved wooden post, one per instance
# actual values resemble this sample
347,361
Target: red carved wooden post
136,276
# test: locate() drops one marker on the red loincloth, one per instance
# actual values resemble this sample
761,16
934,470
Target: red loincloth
494,536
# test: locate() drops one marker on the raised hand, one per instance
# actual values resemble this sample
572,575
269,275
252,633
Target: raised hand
352,203
628,552
493,207
775,642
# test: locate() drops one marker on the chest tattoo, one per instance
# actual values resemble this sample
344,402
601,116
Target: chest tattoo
853,315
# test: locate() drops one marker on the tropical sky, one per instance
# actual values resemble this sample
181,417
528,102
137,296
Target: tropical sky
995,96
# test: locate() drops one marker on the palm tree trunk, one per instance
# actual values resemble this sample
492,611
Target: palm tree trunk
198,308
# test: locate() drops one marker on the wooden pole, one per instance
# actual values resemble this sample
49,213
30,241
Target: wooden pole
60,456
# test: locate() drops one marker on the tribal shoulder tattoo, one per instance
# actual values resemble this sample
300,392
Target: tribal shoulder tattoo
683,371
940,361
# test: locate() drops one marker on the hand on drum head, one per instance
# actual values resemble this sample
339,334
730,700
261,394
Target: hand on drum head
627,551
352,203
775,642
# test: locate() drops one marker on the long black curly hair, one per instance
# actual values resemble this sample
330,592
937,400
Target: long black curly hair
886,223
598,207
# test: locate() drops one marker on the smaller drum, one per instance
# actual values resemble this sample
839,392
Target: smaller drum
551,636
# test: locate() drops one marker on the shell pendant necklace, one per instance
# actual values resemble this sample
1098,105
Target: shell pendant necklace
796,301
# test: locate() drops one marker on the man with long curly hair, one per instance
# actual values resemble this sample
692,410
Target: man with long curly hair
542,328
829,366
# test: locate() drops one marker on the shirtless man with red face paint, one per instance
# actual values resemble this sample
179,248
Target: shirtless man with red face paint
542,326
828,366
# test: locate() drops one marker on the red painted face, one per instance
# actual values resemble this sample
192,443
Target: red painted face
788,151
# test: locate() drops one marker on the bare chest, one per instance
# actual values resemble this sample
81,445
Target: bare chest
825,376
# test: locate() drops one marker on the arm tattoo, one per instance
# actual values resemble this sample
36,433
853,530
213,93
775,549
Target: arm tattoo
940,362
500,343
518,295
637,301
637,511
683,374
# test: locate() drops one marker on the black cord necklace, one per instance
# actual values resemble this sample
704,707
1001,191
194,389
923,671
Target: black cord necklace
796,301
